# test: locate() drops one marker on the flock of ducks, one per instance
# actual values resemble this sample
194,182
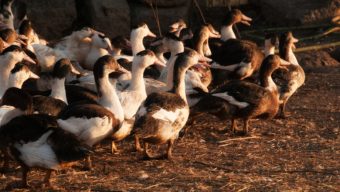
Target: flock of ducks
59,99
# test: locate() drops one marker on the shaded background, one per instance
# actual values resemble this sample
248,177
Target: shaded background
53,19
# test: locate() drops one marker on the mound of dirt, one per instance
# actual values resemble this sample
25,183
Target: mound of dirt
335,53
316,59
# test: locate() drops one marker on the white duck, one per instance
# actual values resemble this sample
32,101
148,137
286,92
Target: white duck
134,95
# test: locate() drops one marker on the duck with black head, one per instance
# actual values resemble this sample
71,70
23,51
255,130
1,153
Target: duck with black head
244,100
163,114
57,101
239,58
19,74
93,122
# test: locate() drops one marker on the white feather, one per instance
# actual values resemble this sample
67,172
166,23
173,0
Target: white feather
38,153
169,116
7,113
90,131
231,99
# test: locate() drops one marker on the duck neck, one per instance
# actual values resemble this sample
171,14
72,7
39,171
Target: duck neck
227,32
5,71
98,51
11,115
14,82
136,43
137,81
170,64
269,49
108,97
291,56
179,83
268,83
200,42
117,51
58,89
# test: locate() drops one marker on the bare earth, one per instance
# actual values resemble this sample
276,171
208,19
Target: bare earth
300,153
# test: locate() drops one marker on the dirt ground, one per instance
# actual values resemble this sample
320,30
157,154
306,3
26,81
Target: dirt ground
300,153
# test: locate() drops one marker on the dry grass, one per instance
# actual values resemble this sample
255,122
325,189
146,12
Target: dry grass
300,153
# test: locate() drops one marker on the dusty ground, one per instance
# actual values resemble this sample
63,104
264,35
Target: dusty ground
300,153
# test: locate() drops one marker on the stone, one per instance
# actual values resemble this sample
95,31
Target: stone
110,16
295,12
52,19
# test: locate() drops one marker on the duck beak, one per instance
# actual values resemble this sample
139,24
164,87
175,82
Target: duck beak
246,20
204,59
159,62
150,34
295,40
117,73
29,59
74,70
174,27
215,34
128,45
33,75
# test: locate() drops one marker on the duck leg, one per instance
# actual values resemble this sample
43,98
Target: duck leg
169,151
146,155
233,125
47,179
88,163
114,148
25,171
5,166
137,144
283,110
245,126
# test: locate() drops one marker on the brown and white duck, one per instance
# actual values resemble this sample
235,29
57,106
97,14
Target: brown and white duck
36,141
239,58
57,101
294,77
244,100
163,114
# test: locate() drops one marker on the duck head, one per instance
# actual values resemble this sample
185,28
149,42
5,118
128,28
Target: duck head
101,41
270,43
177,26
19,74
62,68
19,99
142,30
236,16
